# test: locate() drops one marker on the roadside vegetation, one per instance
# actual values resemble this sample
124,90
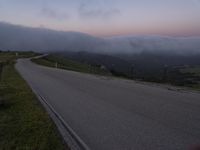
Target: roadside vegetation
24,124
193,74
195,70
174,70
68,64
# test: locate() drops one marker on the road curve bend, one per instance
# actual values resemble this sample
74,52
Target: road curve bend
116,114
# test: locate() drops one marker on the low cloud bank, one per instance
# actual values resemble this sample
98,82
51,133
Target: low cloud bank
14,37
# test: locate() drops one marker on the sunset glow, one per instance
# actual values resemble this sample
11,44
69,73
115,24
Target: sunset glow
107,17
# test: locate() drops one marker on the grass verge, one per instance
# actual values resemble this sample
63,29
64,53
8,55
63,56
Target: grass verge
24,124
64,63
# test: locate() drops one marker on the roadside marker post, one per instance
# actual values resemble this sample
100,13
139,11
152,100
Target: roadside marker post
56,65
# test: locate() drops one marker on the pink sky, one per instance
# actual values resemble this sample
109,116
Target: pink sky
107,17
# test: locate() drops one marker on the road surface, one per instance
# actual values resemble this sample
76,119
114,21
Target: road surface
116,114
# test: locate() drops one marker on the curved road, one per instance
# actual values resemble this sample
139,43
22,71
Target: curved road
116,114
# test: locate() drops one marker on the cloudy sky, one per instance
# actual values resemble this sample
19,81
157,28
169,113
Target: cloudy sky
107,17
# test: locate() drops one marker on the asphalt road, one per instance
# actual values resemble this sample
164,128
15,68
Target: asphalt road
116,114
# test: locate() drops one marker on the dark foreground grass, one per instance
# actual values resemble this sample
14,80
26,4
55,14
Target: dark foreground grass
24,124
64,63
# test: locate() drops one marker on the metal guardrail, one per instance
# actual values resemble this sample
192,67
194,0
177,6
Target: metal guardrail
80,144
75,137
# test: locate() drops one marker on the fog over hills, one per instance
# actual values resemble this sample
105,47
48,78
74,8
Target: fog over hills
15,37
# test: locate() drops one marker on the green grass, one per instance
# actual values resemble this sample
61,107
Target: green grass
68,64
10,56
24,124
194,70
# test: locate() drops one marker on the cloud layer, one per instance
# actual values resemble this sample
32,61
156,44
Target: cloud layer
13,37
51,13
87,9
